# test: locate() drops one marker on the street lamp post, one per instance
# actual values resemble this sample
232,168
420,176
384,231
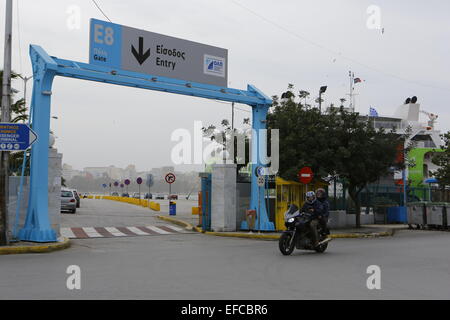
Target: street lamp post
322,90
25,80
5,117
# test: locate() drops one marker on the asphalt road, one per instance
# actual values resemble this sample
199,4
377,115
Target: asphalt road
414,265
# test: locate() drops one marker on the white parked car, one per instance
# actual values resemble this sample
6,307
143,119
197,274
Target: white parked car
68,201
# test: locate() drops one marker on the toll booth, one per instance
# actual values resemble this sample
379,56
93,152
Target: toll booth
291,192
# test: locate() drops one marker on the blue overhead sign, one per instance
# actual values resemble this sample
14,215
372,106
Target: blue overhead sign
116,46
16,137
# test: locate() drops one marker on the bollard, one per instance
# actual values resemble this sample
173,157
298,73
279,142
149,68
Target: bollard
172,208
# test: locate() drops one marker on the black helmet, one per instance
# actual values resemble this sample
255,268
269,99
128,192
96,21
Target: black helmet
321,193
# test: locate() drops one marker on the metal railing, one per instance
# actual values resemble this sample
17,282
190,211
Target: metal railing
385,196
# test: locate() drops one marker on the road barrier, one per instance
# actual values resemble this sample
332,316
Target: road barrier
139,202
172,208
155,206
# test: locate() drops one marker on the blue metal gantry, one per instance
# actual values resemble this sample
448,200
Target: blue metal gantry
37,223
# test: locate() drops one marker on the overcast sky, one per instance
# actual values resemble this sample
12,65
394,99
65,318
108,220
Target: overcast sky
308,43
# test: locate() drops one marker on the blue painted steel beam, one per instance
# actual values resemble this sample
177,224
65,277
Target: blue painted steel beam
67,68
37,223
45,68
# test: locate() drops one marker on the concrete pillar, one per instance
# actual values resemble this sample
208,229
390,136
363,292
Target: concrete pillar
223,197
54,188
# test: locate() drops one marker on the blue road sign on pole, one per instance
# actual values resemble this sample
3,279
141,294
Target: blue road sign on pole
16,137
149,182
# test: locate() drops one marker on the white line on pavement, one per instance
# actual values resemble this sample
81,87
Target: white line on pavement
156,229
67,232
174,228
92,233
138,231
115,232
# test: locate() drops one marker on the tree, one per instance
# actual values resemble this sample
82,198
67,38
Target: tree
226,134
303,138
442,159
303,94
339,143
18,108
363,153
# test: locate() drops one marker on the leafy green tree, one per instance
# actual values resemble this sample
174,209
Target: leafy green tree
339,143
363,154
304,140
18,108
442,159
303,94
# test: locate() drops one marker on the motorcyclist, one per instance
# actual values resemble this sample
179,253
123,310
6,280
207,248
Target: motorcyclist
322,198
315,209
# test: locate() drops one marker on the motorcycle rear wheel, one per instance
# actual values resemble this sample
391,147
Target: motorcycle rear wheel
286,244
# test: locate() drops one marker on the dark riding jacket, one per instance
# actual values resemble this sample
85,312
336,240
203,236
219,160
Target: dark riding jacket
326,206
314,208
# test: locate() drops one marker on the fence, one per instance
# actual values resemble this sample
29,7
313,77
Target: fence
385,196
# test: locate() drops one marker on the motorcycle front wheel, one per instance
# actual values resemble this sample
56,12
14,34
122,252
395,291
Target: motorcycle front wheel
286,243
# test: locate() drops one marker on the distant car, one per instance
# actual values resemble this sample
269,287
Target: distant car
68,201
136,195
77,197
148,196
159,196
173,197
126,195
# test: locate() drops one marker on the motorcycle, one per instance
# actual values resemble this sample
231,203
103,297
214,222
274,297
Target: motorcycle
298,234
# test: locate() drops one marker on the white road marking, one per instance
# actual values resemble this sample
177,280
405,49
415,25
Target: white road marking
92,233
115,232
138,231
175,228
156,229
67,232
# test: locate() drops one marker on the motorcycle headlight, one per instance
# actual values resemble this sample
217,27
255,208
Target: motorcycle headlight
290,220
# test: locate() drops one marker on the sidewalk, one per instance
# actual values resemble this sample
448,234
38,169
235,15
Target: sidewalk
186,219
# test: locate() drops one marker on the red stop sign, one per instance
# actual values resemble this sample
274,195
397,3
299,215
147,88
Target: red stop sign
305,175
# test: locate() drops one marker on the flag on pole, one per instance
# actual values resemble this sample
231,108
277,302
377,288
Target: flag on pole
357,80
373,112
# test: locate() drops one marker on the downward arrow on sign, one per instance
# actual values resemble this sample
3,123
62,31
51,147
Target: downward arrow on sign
140,56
